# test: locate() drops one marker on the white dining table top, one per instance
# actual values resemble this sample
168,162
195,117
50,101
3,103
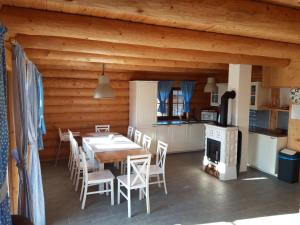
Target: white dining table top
109,141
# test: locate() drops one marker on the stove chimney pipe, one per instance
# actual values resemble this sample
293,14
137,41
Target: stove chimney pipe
224,107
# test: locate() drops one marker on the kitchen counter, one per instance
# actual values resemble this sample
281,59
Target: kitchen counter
268,132
177,122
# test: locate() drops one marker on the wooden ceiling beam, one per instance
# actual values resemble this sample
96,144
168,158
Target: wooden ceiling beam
85,57
43,64
288,3
37,22
125,50
243,18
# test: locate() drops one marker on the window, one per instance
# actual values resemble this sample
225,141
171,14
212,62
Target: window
174,105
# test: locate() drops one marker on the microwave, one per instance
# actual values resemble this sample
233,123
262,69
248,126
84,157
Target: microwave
209,115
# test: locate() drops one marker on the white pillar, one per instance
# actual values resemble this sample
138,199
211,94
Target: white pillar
239,80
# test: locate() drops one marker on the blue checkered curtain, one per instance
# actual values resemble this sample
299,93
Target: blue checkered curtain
5,218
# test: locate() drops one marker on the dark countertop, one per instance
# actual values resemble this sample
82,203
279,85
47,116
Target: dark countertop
269,132
177,122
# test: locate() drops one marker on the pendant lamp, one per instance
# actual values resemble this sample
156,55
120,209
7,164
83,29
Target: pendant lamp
211,85
103,89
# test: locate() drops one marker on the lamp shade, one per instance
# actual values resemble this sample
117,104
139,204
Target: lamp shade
103,89
210,85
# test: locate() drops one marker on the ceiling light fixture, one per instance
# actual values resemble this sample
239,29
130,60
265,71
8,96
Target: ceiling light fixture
210,85
103,89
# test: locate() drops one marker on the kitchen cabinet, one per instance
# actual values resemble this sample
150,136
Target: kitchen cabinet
215,98
178,138
142,103
259,96
263,152
182,138
196,136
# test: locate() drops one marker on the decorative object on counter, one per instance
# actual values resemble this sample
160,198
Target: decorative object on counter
164,89
104,89
294,95
210,85
187,88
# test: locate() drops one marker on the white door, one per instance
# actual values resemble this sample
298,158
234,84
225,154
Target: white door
163,134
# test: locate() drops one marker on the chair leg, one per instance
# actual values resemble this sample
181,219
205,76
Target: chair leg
158,180
129,202
76,175
82,187
57,153
147,200
164,178
77,181
112,192
106,188
84,196
119,192
73,170
122,167
140,194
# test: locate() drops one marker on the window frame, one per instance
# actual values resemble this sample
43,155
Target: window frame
170,108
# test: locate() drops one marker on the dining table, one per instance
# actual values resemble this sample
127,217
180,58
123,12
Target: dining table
109,147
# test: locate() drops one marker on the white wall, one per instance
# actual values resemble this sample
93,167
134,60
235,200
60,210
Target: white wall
239,80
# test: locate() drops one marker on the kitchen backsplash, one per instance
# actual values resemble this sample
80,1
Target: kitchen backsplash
259,118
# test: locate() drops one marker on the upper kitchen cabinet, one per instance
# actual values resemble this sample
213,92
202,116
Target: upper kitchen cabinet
215,99
142,103
259,96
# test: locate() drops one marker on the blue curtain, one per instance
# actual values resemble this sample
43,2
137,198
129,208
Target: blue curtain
35,177
5,218
21,129
164,89
41,123
187,88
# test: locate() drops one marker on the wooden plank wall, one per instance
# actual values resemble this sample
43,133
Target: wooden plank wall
69,102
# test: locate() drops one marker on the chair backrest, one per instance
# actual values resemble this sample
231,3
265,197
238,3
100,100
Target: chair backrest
82,157
74,146
63,136
102,128
146,142
137,136
161,154
138,170
130,132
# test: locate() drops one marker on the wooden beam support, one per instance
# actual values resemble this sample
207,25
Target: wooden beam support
288,3
242,18
43,64
125,50
36,22
85,57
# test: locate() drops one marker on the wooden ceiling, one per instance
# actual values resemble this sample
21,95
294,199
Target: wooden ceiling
157,35
290,3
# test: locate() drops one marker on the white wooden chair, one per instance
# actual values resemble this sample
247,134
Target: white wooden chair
158,169
130,132
137,178
137,137
146,143
64,137
77,164
92,165
95,178
102,128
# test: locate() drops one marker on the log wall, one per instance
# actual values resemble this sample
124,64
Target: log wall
69,103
